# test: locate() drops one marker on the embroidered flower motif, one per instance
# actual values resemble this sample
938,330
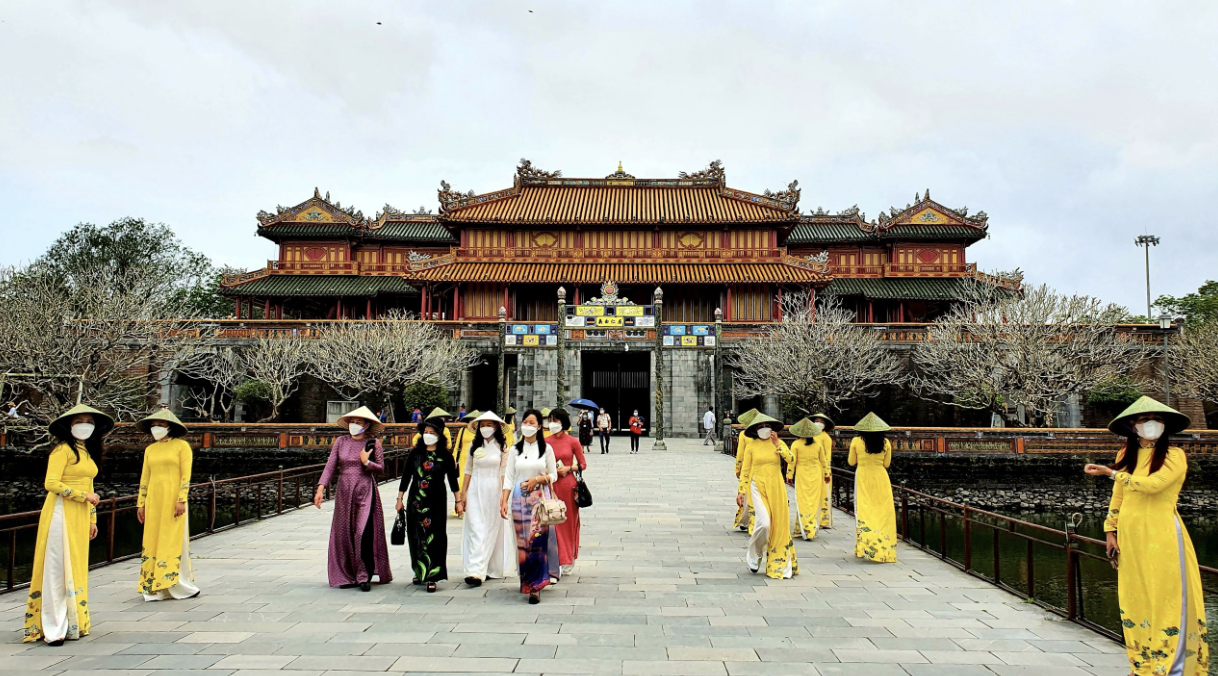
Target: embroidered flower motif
427,523
428,465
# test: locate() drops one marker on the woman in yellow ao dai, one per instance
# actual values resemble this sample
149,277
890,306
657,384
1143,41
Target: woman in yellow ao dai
1161,603
57,608
875,535
761,478
165,570
813,451
744,512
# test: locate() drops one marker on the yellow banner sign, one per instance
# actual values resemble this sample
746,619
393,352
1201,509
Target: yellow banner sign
610,321
689,341
589,310
532,340
629,311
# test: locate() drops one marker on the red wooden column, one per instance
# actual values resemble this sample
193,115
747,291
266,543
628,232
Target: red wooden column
812,302
423,305
266,309
237,310
506,306
338,308
456,301
368,310
729,304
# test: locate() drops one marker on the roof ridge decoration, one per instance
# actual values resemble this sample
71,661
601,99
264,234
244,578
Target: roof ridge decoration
713,171
389,213
789,197
609,296
312,209
850,214
526,170
619,175
979,220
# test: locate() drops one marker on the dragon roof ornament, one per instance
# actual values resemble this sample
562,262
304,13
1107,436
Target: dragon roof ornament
713,171
979,220
619,174
448,196
353,215
526,170
790,196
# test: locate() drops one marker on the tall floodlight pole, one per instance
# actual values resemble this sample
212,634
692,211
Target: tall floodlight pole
1147,241
560,400
658,423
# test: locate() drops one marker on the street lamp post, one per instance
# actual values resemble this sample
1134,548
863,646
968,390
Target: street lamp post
1165,324
1147,241
658,423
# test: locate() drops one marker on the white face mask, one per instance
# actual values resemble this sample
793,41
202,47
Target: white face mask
430,439
487,432
82,431
764,433
555,428
528,430
355,429
820,426
1151,429
159,433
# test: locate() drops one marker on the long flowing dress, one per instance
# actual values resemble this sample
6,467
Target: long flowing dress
460,449
875,536
567,451
826,512
357,534
536,546
488,543
165,569
58,604
744,513
1158,583
426,511
761,477
809,470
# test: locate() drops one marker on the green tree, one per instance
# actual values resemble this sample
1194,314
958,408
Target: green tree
425,395
1198,308
1114,395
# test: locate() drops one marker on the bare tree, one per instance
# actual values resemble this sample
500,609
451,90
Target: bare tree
221,368
1194,362
1033,349
278,363
816,359
379,358
100,327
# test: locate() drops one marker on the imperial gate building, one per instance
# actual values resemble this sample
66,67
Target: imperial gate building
613,288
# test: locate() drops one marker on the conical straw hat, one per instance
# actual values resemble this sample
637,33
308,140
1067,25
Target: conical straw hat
829,424
438,412
747,417
363,415
871,423
761,418
490,415
1174,420
803,429
176,428
61,426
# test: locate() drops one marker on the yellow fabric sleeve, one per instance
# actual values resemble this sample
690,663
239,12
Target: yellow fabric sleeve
1173,469
185,461
746,468
853,458
145,477
56,464
887,454
796,448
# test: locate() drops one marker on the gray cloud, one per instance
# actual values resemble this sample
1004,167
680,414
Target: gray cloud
1076,126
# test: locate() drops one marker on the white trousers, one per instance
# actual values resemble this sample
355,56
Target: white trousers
59,619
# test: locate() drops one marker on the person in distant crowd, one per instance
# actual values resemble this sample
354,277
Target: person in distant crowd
1161,601
416,416
568,459
604,425
441,416
875,533
57,608
357,531
531,470
13,413
460,447
585,431
165,568
488,542
428,466
382,416
744,513
813,451
708,424
636,431
461,412
761,477
510,425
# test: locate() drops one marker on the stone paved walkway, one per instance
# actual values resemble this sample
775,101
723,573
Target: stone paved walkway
660,588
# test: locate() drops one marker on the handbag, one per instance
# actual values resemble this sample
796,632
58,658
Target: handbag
551,511
398,535
583,496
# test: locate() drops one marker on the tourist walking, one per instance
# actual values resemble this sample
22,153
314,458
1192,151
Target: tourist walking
875,533
357,530
531,469
460,447
57,608
510,432
443,417
1161,601
488,543
636,431
568,459
761,477
708,424
604,425
744,513
812,450
585,431
428,466
165,568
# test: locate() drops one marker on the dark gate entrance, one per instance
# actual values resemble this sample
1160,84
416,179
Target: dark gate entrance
620,382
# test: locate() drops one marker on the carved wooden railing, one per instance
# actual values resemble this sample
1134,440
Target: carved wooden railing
517,254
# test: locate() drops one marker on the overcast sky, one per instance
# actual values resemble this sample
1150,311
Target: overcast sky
1076,125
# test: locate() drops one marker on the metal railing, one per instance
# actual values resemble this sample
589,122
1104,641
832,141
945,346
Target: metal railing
1077,581
226,504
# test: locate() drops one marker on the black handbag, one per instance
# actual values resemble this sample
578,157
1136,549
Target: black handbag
398,535
583,496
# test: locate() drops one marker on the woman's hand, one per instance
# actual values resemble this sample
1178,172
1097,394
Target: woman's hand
364,456
92,531
503,508
740,499
1113,550
399,505
93,499
179,509
459,507
790,482
139,514
1098,470
563,470
318,495
774,440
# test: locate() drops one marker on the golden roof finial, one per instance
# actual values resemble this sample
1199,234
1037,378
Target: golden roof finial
619,166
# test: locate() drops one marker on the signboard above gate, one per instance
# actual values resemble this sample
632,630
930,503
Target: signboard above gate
689,335
531,335
610,316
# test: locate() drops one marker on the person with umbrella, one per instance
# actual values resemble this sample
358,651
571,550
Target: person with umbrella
585,424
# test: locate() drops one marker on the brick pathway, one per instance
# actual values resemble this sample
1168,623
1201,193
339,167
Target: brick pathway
660,588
